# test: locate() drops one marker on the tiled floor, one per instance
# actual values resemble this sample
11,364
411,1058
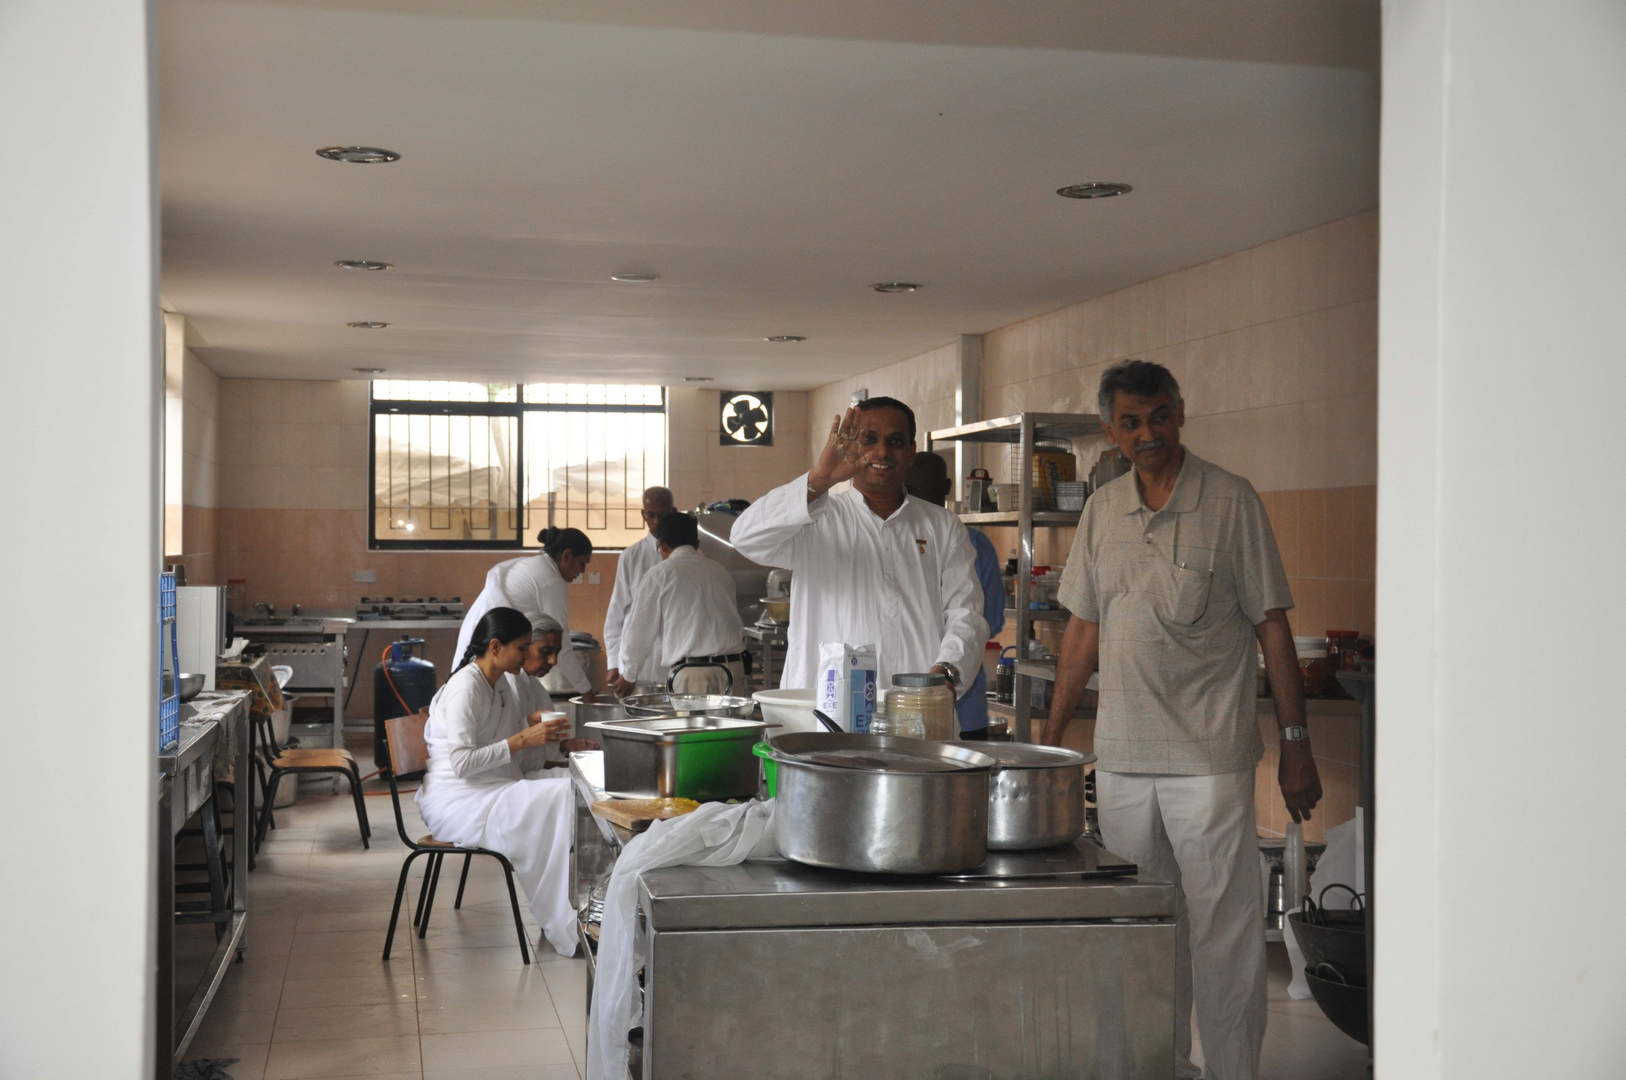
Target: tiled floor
314,1001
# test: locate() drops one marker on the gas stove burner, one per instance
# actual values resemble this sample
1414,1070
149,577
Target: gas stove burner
373,608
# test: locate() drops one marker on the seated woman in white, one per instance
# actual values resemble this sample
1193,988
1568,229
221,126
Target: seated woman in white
477,792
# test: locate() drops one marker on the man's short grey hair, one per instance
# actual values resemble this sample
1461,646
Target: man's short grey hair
1142,378
660,496
546,624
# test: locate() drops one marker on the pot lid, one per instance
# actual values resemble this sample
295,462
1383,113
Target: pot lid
876,753
1020,755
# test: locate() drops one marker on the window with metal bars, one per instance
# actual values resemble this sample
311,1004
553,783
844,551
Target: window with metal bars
489,465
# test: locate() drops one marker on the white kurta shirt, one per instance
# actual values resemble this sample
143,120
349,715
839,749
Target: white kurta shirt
533,697
630,569
907,584
532,585
685,607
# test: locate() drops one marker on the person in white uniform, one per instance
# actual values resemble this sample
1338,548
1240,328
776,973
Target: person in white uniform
630,569
872,564
1173,577
484,786
535,585
685,628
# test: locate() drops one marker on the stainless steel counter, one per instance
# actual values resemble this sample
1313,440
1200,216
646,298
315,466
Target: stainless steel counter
776,969
215,720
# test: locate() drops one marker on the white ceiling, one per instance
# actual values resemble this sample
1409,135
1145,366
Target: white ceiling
767,164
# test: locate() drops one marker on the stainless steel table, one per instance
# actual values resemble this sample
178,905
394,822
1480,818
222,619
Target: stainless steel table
782,970
215,728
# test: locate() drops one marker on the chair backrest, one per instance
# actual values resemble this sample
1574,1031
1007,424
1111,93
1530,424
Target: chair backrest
408,758
403,736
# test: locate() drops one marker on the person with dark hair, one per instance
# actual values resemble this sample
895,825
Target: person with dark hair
872,565
684,630
536,585
485,786
1173,577
928,479
630,568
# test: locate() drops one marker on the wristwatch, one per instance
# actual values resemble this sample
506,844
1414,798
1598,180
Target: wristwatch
1295,733
952,672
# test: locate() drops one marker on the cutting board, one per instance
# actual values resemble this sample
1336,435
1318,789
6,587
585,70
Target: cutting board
636,814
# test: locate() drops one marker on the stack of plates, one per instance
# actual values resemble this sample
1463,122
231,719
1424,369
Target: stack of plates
1070,494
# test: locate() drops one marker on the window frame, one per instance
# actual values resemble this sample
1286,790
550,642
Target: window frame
517,409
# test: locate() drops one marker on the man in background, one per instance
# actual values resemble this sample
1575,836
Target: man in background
928,479
630,569
684,628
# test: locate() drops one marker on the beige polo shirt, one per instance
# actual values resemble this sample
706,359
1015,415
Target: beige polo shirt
1177,594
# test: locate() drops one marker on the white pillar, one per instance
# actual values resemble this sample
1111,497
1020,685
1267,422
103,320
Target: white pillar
79,348
1501,734
967,408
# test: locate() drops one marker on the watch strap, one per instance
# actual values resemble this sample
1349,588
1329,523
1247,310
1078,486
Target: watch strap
1295,733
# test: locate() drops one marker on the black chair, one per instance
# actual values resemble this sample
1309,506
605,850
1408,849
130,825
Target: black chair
408,758
273,762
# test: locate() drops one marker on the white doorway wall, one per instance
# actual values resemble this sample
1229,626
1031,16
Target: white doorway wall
1501,734
78,341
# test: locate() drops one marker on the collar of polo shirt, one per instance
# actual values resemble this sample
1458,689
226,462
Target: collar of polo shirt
1188,488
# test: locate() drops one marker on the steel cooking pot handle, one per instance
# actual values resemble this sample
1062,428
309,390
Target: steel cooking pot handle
1324,970
1359,898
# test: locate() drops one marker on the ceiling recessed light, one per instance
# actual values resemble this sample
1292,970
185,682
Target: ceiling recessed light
359,155
363,264
366,324
896,286
369,370
779,339
697,378
1095,189
634,278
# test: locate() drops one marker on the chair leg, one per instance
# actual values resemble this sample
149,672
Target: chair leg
361,808
462,881
211,858
513,899
429,904
400,891
265,811
423,889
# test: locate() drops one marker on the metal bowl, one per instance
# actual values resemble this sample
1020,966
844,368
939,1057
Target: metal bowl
189,686
740,708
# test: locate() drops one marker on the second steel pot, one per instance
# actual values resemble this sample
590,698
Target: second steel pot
881,804
1035,796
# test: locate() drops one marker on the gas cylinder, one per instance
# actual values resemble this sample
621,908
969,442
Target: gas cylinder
402,684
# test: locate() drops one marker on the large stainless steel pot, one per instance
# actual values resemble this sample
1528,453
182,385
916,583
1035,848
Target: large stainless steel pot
881,804
1035,796
599,709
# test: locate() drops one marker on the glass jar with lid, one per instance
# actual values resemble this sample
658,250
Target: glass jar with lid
924,697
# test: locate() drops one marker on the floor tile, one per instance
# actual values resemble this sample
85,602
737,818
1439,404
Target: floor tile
377,989
345,1021
350,964
250,1059
493,958
362,941
226,1025
453,933
507,1072
326,1058
544,1046
451,1015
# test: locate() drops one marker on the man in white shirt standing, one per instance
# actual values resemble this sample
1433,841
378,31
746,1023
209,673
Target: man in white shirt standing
685,625
630,569
873,565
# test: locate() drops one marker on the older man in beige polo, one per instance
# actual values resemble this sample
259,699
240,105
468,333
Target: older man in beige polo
1173,576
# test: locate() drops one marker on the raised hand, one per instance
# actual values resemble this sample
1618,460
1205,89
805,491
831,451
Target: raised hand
841,456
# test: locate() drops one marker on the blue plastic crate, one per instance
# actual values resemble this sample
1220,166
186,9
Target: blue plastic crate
169,725
166,596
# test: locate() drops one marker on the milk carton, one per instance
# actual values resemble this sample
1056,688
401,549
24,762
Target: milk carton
846,688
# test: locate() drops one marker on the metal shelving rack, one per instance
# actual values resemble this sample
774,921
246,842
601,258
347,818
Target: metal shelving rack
1023,430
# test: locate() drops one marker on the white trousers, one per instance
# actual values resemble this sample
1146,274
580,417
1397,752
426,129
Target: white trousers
1198,832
